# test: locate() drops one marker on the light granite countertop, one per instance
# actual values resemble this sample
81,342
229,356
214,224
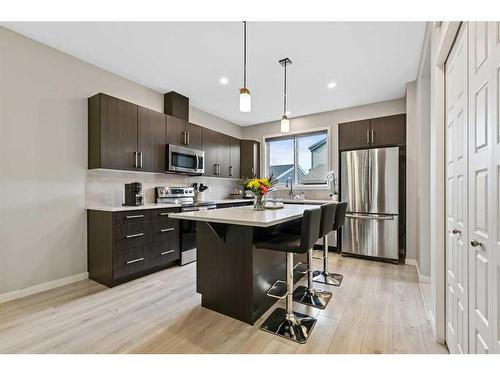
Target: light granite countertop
147,206
246,215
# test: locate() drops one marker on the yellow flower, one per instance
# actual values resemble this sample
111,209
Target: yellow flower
266,182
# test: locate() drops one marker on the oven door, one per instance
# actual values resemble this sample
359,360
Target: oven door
182,159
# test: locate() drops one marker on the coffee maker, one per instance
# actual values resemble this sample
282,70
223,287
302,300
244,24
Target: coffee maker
133,194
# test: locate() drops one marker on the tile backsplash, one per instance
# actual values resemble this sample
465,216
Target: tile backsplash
107,187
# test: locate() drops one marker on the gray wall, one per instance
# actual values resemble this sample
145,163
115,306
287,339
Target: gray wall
43,157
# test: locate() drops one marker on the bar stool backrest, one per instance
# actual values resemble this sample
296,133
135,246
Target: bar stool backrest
340,215
327,218
310,229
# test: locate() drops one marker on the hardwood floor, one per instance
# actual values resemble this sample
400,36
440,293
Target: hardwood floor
377,309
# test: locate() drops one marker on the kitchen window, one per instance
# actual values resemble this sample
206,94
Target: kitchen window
303,158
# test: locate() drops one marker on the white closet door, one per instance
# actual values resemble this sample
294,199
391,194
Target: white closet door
481,178
494,31
456,202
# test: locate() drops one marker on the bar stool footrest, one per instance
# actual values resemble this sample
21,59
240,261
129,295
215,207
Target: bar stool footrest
301,268
327,278
278,290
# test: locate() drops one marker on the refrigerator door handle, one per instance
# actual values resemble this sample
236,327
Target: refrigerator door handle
370,217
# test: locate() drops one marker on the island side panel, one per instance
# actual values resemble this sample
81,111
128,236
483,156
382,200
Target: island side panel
224,269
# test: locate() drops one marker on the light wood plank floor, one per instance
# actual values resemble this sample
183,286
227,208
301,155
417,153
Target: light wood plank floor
377,309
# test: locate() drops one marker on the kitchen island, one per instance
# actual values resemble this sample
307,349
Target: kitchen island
232,275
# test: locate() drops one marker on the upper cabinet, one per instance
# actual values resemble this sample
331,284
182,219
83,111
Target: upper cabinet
183,133
209,146
222,154
234,157
249,158
151,140
377,132
125,136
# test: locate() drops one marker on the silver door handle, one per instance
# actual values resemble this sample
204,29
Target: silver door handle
135,260
140,160
373,135
370,217
167,230
135,235
476,243
164,213
184,138
187,138
230,171
134,216
252,171
215,169
368,136
167,252
135,159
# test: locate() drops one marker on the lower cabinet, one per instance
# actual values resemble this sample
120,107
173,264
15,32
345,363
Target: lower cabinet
129,244
235,204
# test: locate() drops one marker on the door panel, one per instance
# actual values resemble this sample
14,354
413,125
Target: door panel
194,131
234,157
354,180
151,140
480,188
456,200
175,131
355,134
383,172
209,145
388,131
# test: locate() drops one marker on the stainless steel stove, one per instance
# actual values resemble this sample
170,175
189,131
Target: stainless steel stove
185,196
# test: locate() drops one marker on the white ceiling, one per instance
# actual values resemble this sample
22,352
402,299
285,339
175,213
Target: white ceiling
369,61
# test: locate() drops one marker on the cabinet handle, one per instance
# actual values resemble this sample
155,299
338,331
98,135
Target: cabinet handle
167,252
230,171
135,260
368,136
134,216
218,169
135,159
187,138
164,213
475,243
167,230
135,235
373,136
215,169
252,171
140,160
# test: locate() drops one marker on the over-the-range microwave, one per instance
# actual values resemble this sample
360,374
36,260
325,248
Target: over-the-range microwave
184,159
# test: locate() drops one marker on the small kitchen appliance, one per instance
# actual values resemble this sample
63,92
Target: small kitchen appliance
133,194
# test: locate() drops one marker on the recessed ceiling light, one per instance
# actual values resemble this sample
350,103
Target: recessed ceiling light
332,85
288,113
223,81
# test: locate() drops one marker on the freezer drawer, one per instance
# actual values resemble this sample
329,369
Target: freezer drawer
372,235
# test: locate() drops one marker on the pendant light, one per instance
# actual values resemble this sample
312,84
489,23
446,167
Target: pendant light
245,97
285,123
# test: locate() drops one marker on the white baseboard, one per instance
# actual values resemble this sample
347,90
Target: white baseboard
16,294
411,262
422,278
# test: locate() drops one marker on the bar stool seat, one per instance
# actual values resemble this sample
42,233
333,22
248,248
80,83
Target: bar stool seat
286,322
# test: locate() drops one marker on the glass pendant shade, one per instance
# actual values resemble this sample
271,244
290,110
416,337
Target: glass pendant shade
245,100
285,124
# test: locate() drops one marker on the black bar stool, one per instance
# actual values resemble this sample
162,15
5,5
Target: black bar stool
285,322
324,276
307,294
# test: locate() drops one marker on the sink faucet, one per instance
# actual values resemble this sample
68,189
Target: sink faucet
290,192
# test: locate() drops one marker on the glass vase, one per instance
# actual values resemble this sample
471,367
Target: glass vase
258,203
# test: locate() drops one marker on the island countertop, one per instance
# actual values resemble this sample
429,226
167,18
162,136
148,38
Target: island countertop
246,215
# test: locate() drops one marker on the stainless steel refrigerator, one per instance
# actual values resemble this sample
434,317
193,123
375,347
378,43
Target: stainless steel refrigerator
370,185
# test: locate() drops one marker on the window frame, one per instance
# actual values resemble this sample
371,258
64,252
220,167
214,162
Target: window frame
295,135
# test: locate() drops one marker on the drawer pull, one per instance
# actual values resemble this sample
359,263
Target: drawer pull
133,216
135,260
167,230
164,213
135,235
167,252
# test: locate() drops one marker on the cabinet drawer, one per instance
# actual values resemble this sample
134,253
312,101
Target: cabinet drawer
162,253
162,215
127,236
165,230
127,217
128,262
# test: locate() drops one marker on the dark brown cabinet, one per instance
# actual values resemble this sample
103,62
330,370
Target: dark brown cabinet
209,146
234,157
193,135
151,140
125,136
112,133
249,158
388,131
128,244
183,133
376,132
355,134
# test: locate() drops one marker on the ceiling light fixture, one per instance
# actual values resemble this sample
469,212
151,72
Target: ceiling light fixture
223,81
332,85
245,97
285,123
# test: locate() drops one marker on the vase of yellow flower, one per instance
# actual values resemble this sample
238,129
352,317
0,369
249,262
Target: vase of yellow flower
259,187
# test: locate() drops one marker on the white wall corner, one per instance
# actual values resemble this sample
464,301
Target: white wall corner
16,294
